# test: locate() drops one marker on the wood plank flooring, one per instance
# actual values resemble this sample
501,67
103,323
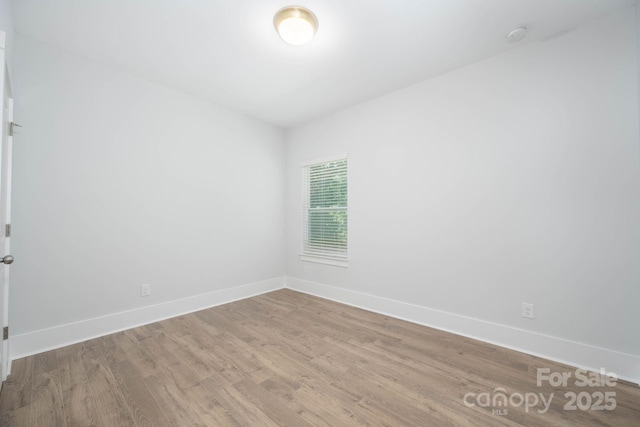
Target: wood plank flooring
289,359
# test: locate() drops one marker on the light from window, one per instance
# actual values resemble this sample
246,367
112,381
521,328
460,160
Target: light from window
324,211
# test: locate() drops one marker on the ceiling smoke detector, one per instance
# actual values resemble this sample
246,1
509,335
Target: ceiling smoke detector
516,35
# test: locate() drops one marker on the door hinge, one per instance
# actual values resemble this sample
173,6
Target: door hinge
7,230
12,128
5,333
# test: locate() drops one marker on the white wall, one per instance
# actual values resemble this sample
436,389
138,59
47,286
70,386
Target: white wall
516,179
120,182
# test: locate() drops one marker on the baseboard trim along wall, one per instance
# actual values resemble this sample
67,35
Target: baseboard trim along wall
23,345
579,355
625,366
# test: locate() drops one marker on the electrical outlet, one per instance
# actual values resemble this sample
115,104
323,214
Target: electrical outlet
527,310
145,290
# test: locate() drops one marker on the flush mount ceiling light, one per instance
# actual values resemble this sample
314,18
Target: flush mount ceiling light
296,25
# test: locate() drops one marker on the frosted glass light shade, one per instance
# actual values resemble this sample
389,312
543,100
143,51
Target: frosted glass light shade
296,25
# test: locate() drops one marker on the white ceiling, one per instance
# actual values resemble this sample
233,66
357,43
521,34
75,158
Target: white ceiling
228,52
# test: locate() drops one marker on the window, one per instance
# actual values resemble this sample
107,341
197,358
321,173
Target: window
324,211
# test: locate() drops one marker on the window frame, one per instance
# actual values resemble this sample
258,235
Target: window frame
337,260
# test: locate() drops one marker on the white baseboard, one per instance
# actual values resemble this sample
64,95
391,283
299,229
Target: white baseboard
579,355
626,366
59,336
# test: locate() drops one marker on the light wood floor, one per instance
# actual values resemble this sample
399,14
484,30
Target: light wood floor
287,359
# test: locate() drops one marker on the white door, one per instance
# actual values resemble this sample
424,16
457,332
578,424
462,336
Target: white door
5,204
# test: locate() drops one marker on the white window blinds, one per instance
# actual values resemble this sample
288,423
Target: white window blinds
324,209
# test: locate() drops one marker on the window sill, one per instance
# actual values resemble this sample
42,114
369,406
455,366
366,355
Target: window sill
319,259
